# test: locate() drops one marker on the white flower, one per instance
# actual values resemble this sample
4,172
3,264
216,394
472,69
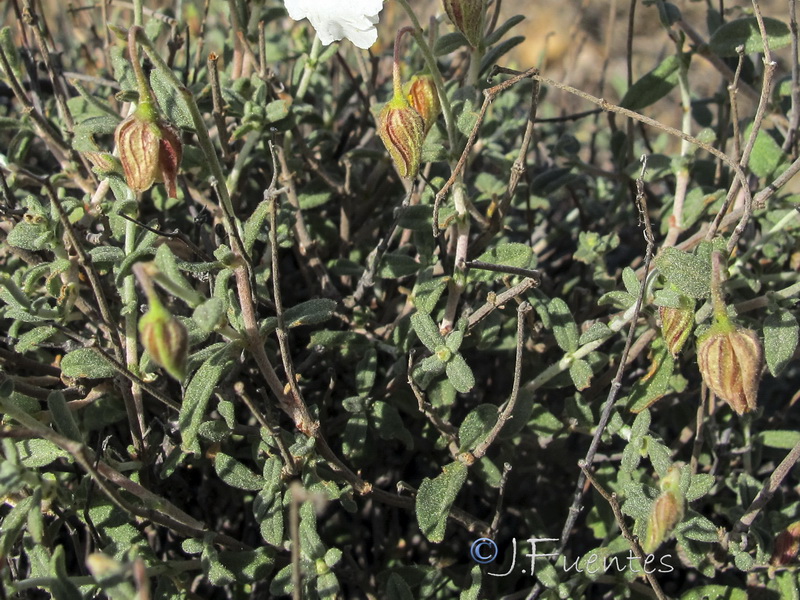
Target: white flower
337,19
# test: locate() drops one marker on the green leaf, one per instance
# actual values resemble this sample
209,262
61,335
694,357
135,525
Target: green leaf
435,497
394,266
715,592
746,32
35,453
449,42
416,217
31,339
597,331
427,292
510,255
498,33
654,85
687,272
210,314
476,426
655,383
268,511
397,588
780,340
460,374
178,284
632,284
196,397
310,312
249,565
564,327
473,592
13,523
427,331
581,373
618,299
781,439
60,584
390,425
86,363
365,372
700,486
314,197
766,156
277,110
62,417
217,573
255,225
235,474
697,527
495,53
30,236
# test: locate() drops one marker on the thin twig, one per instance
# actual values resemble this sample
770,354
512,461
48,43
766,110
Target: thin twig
305,243
445,428
518,170
480,450
616,385
271,196
794,118
218,111
608,107
489,96
496,301
498,510
367,279
766,493
611,498
530,273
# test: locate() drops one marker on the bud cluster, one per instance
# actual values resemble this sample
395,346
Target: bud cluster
730,357
406,119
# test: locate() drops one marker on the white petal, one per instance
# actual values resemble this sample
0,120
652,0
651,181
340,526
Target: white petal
337,19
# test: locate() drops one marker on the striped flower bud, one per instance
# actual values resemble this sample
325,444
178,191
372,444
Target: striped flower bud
730,360
402,130
667,512
787,546
150,150
730,357
422,96
165,339
677,324
467,16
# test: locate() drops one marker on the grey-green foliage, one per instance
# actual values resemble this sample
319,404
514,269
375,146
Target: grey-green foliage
365,425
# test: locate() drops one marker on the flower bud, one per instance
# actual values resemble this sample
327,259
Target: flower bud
402,130
730,360
787,546
149,149
667,512
165,339
676,324
423,97
467,16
